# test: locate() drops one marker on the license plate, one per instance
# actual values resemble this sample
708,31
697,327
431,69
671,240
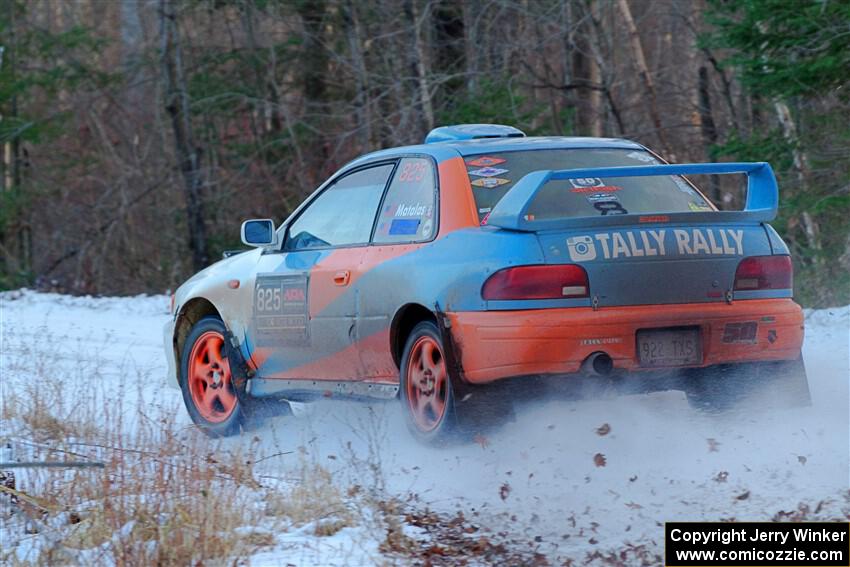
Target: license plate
669,347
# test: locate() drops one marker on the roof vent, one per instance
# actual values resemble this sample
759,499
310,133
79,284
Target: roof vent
471,132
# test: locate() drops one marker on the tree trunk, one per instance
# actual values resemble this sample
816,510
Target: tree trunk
471,49
801,166
643,71
605,73
362,100
421,62
188,154
707,128
132,39
313,73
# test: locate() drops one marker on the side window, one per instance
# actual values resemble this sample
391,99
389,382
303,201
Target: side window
409,210
343,214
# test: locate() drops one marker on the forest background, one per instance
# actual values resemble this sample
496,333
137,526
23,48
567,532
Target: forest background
136,135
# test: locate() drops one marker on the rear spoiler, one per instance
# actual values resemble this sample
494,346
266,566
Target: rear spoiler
511,212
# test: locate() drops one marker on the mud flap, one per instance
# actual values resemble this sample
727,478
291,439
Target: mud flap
238,367
253,408
477,408
780,384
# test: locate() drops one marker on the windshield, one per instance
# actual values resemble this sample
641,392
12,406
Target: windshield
492,175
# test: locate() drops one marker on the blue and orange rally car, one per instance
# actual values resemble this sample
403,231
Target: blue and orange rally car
430,272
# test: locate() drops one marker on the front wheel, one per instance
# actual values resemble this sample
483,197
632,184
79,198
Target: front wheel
207,381
426,386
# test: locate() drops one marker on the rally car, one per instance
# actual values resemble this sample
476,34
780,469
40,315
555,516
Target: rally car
431,272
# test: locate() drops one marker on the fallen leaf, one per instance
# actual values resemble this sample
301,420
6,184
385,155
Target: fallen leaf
603,429
801,459
721,476
713,444
634,505
481,440
632,478
504,490
743,496
599,460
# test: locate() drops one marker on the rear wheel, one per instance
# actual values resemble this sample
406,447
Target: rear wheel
779,384
426,386
209,391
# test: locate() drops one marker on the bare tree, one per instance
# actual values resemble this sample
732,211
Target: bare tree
643,71
188,154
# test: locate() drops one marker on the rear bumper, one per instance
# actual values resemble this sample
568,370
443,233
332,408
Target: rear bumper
493,345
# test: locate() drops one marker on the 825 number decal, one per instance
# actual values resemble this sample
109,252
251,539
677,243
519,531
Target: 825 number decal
268,299
412,171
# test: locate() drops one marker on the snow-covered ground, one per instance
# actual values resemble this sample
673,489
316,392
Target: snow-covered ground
539,479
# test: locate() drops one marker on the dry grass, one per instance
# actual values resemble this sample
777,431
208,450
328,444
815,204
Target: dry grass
315,498
166,494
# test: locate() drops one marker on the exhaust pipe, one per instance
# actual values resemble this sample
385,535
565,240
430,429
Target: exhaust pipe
597,364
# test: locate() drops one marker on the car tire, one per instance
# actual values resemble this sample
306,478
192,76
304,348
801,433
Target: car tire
209,391
426,386
779,384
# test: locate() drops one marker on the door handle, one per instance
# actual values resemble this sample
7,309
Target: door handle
342,277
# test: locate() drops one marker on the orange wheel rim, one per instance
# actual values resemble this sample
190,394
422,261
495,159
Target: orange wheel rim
210,379
427,384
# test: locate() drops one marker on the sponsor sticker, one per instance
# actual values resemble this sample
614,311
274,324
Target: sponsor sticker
642,156
426,228
490,182
488,172
585,182
485,161
404,227
745,332
596,189
698,207
683,186
602,197
484,210
413,210
662,242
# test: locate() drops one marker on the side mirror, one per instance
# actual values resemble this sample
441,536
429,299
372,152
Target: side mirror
259,232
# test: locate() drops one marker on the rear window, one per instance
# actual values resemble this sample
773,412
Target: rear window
493,174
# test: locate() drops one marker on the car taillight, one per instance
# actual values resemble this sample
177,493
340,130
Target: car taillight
764,272
537,282
171,309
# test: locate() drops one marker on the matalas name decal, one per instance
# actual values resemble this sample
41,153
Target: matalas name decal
662,242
